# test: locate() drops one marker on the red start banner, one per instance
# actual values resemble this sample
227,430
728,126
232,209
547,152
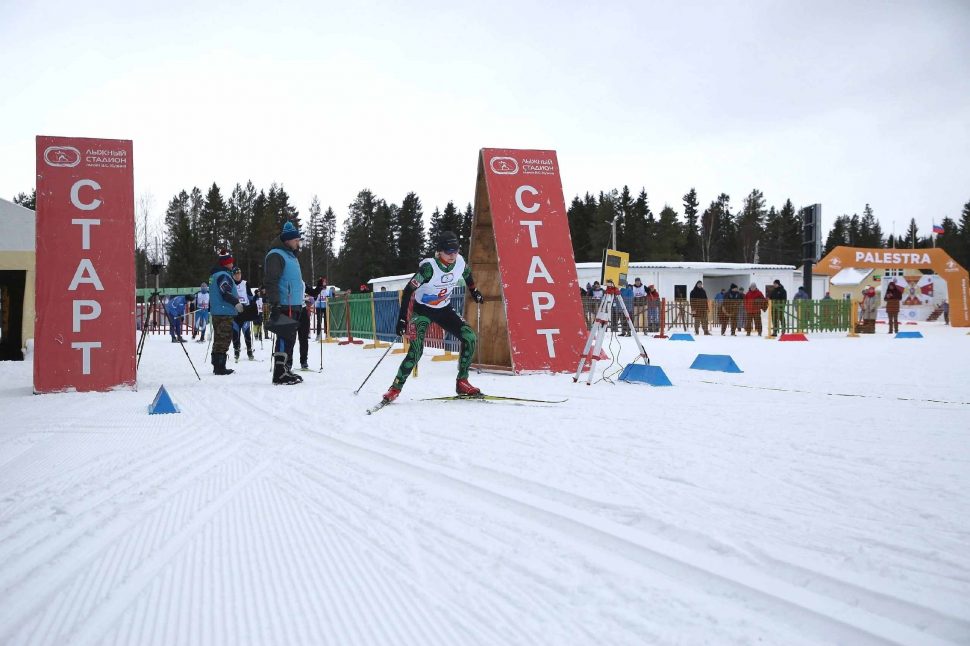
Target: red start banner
547,330
85,327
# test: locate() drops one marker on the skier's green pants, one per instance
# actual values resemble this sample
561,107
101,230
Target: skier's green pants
448,320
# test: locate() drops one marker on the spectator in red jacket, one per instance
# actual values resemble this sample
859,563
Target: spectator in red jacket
754,304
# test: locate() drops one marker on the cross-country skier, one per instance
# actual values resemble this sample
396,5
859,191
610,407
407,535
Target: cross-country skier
242,324
432,287
201,312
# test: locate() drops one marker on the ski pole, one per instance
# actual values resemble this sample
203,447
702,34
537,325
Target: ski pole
181,343
386,352
478,333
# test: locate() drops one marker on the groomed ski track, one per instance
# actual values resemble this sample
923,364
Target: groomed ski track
266,523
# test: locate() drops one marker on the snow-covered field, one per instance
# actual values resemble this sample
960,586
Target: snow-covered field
822,496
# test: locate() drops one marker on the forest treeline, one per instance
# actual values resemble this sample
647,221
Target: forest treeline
381,238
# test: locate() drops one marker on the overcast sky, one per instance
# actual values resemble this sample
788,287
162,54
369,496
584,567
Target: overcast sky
841,103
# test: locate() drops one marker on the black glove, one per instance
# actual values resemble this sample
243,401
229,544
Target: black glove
477,295
274,312
402,326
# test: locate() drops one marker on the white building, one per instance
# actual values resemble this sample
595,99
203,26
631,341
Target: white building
676,279
17,270
672,279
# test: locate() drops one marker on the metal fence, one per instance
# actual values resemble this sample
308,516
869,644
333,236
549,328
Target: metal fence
655,316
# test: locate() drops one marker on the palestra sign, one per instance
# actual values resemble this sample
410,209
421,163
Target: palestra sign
937,260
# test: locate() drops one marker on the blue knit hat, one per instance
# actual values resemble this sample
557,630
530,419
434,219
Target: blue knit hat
289,232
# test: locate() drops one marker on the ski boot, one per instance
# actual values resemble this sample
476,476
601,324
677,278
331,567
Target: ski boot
249,353
391,394
462,387
281,376
236,354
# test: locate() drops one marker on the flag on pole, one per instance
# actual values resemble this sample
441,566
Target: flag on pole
937,229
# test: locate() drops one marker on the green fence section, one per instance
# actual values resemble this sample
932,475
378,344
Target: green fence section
359,308
362,316
804,315
337,316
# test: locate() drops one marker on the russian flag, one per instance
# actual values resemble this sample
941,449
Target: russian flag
937,229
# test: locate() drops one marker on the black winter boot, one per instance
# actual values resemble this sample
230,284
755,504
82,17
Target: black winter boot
281,376
219,365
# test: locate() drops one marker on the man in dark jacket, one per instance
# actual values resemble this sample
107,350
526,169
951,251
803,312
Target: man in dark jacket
223,306
731,304
894,294
698,306
284,297
779,302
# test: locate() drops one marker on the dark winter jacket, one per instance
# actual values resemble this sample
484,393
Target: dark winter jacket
732,300
698,300
778,293
894,294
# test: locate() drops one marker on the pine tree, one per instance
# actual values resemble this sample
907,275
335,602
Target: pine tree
790,239
870,233
669,238
912,234
602,234
580,217
213,222
838,235
751,224
692,248
637,225
782,241
355,263
434,232
314,241
181,245
963,253
465,230
328,233
411,240
262,233
27,201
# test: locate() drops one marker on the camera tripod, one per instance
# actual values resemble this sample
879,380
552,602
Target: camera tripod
150,318
594,344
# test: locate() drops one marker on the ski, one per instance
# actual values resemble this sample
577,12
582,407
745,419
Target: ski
493,398
374,409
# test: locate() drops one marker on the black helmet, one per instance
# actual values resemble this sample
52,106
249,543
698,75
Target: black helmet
447,241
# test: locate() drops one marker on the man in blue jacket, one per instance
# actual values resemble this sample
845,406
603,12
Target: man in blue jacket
175,309
285,291
223,306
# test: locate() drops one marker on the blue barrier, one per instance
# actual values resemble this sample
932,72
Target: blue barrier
162,403
681,336
386,308
909,335
715,362
651,375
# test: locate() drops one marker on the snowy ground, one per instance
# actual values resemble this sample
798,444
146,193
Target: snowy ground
822,496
